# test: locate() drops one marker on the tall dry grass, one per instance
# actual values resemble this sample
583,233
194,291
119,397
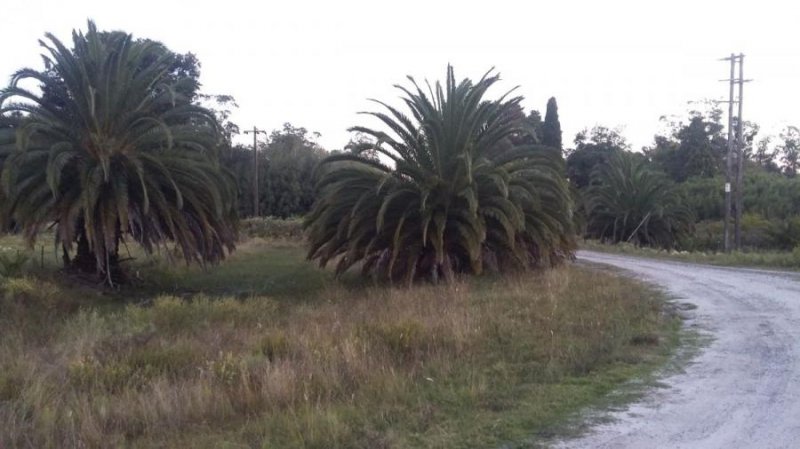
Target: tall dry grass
378,367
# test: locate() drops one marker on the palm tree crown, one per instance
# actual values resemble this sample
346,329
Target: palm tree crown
627,201
113,147
458,194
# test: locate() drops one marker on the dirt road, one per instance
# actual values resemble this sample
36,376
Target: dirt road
743,389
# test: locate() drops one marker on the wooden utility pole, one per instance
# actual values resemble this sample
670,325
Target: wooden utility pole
255,131
734,175
740,160
729,161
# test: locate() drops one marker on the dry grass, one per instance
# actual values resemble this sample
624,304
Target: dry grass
473,364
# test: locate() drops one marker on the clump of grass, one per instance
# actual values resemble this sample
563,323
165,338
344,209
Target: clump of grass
12,263
173,315
274,346
472,364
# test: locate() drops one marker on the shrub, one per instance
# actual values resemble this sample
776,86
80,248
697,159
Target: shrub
757,233
273,228
12,263
785,234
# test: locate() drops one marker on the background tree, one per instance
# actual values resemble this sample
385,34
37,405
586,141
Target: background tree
113,148
292,156
286,172
535,123
789,150
592,149
764,156
551,128
451,202
696,148
362,145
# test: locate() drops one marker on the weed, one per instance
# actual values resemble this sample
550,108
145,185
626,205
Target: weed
301,363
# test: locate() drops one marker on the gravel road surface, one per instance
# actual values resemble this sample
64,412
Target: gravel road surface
740,391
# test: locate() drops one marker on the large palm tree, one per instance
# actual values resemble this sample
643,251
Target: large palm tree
629,202
456,194
110,147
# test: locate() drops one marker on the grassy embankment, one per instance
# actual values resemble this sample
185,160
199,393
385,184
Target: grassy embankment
786,260
268,351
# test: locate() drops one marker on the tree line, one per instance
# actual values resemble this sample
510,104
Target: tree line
686,163
119,144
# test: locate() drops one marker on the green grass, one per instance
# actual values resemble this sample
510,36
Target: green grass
786,260
259,267
266,350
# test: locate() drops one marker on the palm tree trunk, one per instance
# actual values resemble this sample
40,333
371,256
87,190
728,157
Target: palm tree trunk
84,260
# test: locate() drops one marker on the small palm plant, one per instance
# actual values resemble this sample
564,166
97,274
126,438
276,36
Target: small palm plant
456,196
629,202
111,149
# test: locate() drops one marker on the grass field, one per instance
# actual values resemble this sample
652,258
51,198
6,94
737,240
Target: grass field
268,351
786,260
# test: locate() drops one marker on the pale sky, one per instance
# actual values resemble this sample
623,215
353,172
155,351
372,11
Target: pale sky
314,64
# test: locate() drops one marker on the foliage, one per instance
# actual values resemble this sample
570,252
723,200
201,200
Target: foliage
535,125
111,150
764,156
789,150
12,263
286,167
272,228
705,196
551,128
768,194
460,197
592,149
693,149
756,233
629,202
292,156
785,234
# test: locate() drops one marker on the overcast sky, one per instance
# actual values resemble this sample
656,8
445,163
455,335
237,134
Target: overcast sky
314,64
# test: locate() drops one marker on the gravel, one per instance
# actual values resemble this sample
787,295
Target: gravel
740,391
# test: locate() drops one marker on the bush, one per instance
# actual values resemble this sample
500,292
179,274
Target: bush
757,233
12,263
25,294
785,234
273,228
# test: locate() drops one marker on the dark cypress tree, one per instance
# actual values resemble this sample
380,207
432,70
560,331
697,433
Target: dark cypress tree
551,128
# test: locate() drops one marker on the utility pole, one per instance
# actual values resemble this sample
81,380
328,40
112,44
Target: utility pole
729,161
734,174
740,161
255,131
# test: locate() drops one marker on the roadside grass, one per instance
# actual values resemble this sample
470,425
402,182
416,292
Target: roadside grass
268,351
274,267
787,260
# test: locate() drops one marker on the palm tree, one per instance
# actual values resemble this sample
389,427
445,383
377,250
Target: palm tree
112,148
627,201
457,196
